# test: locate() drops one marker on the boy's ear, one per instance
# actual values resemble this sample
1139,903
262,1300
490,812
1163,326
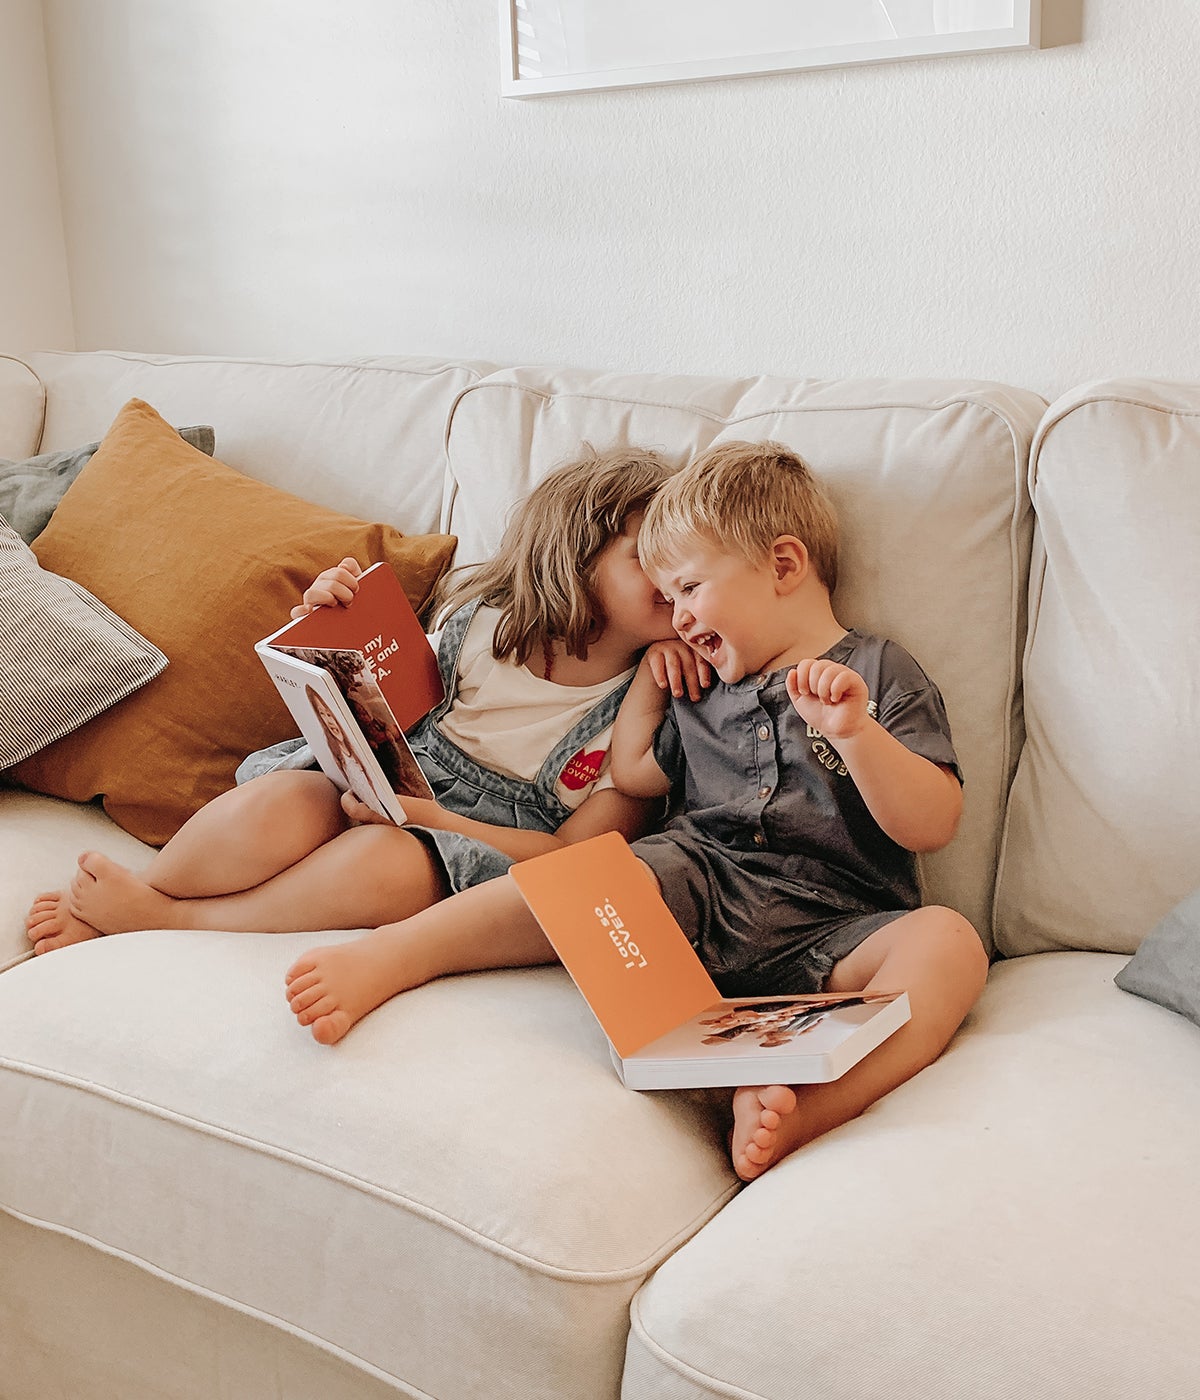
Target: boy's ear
789,560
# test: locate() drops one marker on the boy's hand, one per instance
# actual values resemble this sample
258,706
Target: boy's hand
830,697
334,586
676,667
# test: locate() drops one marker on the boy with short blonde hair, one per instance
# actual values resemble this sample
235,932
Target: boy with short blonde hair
806,777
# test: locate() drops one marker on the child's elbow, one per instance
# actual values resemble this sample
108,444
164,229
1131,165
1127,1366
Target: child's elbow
939,827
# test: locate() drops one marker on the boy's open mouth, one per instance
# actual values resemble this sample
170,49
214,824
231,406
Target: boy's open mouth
707,642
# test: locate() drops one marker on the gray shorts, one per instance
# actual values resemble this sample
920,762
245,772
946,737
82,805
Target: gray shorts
462,860
756,929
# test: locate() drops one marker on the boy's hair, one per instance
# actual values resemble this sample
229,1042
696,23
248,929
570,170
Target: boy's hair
541,576
740,497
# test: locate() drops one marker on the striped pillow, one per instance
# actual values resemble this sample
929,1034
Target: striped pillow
64,656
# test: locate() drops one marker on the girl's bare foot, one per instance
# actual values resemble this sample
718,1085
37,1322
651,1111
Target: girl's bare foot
115,900
331,989
50,923
760,1128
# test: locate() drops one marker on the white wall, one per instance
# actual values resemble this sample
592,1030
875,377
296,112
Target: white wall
35,300
289,176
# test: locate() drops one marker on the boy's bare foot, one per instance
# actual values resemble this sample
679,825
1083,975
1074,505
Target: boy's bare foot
330,989
50,924
114,899
758,1115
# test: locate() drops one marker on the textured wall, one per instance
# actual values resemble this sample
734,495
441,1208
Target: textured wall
292,176
35,303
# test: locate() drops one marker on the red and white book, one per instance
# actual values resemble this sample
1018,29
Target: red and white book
355,678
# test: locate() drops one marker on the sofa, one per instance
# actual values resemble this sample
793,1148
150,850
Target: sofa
460,1200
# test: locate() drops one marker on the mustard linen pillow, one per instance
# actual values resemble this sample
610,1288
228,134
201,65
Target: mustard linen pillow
203,562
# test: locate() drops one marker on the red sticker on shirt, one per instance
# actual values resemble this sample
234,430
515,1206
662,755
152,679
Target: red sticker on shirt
582,769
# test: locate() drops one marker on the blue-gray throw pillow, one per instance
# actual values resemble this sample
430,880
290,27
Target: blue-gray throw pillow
1166,968
30,490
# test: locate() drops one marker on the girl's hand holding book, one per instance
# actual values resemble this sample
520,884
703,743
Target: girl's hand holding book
330,588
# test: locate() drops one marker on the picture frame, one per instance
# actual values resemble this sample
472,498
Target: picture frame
563,46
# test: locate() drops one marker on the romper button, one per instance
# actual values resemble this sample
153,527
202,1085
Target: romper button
763,732
764,792
759,839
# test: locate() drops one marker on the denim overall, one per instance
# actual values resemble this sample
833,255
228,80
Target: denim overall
463,785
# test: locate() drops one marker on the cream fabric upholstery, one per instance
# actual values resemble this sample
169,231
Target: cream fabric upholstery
1029,1195
386,1200
22,406
364,437
79,1324
928,479
1103,833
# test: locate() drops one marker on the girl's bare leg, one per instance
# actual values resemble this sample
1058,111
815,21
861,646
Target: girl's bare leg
236,841
362,877
938,959
247,835
330,989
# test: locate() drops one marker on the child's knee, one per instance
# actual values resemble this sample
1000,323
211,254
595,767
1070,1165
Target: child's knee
294,796
956,959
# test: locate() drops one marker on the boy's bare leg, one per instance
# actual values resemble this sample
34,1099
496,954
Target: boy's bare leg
938,959
487,926
363,877
236,841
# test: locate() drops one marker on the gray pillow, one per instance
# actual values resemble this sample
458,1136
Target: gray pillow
1166,968
30,490
64,656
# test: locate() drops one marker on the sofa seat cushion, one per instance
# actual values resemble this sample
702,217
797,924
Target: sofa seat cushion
41,838
1027,1195
464,1165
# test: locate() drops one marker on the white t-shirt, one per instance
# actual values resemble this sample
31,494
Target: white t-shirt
508,719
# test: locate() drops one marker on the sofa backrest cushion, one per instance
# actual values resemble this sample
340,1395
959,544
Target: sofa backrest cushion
929,482
364,437
1103,832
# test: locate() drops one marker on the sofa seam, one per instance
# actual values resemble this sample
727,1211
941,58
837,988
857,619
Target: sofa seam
683,1368
169,361
967,396
189,1286
639,1270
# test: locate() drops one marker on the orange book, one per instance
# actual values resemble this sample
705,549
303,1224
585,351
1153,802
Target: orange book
668,1027
355,678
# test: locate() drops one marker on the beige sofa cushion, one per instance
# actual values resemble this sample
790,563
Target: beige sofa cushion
929,481
1027,1196
441,1200
1103,834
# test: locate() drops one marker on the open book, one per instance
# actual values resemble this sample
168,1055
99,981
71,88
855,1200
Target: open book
354,679
668,1027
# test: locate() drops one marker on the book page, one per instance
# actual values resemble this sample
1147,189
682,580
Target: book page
327,722
354,675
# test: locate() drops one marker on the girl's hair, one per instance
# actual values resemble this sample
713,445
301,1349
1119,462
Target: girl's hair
740,497
541,577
